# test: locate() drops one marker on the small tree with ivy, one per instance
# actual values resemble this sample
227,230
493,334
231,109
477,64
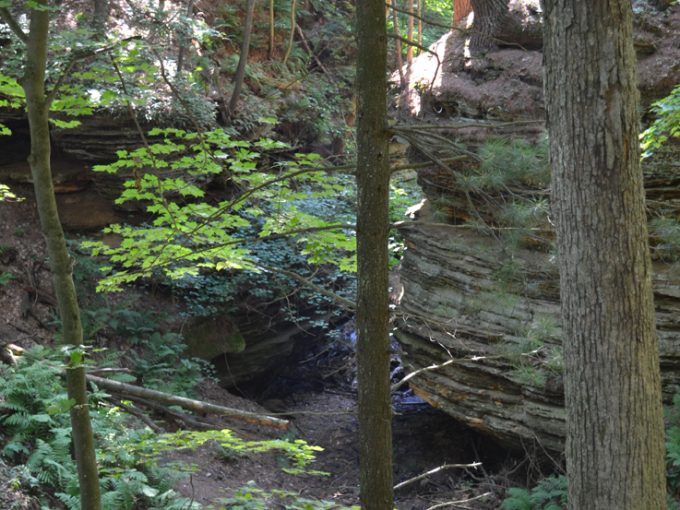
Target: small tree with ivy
38,101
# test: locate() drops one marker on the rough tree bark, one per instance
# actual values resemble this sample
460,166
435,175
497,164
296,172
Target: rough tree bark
61,264
489,14
373,175
615,450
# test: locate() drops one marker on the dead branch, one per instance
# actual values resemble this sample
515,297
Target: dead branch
107,370
464,124
410,43
344,303
436,470
459,502
411,375
79,55
39,296
303,39
9,353
186,420
137,413
198,406
426,164
12,23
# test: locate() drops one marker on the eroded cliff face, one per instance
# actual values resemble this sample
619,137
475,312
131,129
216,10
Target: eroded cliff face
480,305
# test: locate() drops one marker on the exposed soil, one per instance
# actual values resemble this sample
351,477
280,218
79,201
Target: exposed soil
323,411
316,391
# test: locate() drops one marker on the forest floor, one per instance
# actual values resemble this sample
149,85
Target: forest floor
315,390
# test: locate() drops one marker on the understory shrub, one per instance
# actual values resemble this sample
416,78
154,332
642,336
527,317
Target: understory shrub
36,436
549,494
251,497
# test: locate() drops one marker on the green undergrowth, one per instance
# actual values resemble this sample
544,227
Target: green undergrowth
191,232
666,124
550,493
535,353
36,438
145,343
251,497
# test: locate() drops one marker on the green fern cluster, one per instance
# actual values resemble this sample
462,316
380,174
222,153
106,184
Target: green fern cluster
549,494
251,497
34,419
37,434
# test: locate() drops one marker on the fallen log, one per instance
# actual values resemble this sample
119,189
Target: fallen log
9,353
133,392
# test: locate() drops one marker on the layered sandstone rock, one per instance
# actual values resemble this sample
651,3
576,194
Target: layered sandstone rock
492,339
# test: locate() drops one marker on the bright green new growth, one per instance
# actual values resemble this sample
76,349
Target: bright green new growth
666,125
187,234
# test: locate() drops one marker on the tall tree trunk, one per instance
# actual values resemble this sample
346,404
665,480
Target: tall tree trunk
183,42
291,38
409,32
489,15
100,16
397,43
272,29
243,57
373,175
615,447
461,10
421,9
61,264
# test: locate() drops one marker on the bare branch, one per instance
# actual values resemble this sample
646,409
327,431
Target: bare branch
436,470
415,44
344,303
303,39
426,164
137,413
184,419
459,502
411,375
462,125
12,23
